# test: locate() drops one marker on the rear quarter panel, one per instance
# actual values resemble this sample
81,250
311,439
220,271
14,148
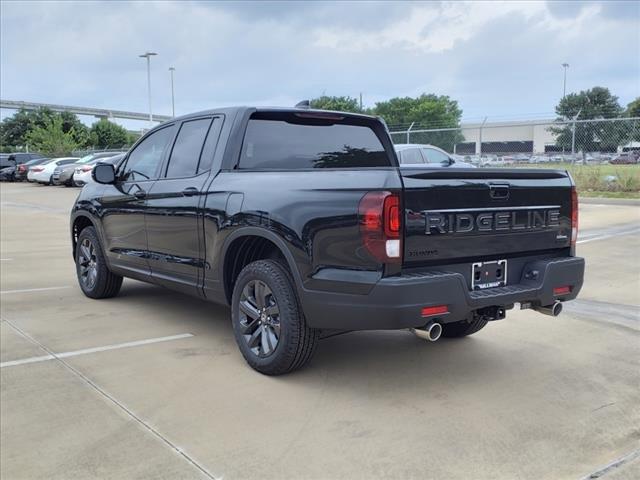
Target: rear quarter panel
314,212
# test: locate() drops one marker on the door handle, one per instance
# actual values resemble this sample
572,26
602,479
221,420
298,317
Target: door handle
190,191
140,194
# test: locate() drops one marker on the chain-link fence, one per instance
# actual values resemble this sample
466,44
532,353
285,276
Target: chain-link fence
615,140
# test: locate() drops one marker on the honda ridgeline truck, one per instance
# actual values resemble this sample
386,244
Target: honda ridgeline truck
305,224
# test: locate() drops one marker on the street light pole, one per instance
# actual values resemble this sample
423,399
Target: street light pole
564,84
148,56
173,103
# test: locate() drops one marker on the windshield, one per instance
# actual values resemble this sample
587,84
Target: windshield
86,158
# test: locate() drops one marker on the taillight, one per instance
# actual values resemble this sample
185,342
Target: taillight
86,168
574,216
380,224
37,169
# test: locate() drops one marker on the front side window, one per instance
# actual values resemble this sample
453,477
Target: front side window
143,162
435,156
291,142
185,155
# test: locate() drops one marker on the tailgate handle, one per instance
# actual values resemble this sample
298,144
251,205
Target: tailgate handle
499,192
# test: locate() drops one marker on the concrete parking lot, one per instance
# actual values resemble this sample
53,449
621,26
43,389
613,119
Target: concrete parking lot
150,384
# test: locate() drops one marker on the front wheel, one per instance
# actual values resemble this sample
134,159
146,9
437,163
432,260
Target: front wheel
268,323
94,277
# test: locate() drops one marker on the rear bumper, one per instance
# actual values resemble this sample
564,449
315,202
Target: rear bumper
397,302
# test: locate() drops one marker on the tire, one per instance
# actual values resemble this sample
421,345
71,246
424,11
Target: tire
463,328
261,287
94,277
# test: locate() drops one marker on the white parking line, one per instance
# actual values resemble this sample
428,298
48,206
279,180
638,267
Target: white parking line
86,351
613,465
118,403
5,259
28,290
609,235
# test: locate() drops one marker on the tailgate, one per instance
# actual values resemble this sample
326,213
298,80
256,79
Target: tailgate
480,214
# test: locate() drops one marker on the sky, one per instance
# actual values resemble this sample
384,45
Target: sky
497,59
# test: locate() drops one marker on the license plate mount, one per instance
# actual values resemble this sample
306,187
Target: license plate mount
488,274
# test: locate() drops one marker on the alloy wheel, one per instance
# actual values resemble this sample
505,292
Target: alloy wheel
259,318
88,263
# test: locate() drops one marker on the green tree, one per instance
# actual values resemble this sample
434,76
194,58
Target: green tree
106,134
51,139
339,104
14,129
71,123
132,137
428,111
633,109
595,104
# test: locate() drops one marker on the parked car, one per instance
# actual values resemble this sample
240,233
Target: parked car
43,173
19,157
5,162
82,174
411,154
64,175
538,159
15,159
8,174
626,158
7,168
302,221
22,170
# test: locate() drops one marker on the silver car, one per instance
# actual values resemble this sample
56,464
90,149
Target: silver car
413,155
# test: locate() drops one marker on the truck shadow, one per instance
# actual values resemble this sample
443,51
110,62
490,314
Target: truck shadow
396,357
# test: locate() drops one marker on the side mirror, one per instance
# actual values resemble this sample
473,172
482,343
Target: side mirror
104,173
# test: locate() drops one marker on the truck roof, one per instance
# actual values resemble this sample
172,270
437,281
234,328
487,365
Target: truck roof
243,109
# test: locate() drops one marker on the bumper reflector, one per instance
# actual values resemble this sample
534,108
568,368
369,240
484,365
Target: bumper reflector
562,290
437,310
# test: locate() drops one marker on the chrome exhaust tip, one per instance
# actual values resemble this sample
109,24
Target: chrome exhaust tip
432,331
552,310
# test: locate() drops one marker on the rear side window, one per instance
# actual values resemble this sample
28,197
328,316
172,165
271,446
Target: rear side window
291,143
185,155
65,162
210,144
411,156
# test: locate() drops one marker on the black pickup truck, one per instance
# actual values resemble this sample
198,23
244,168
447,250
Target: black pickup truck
305,224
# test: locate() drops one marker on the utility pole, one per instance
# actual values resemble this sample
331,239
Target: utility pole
564,84
148,56
573,136
361,101
173,103
479,146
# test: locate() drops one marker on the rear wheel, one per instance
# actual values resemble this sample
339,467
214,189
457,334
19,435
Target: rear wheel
268,323
94,277
463,328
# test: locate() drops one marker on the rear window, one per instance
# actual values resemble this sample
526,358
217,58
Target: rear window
290,143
